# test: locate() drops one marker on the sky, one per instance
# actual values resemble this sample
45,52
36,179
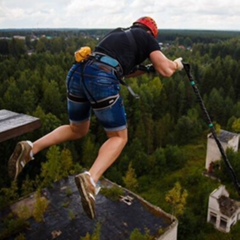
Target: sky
169,14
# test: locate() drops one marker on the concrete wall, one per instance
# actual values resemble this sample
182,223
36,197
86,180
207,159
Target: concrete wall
213,152
215,216
171,233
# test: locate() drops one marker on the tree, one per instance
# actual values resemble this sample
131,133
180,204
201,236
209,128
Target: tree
8,195
182,101
183,130
4,47
49,121
236,125
41,46
162,130
58,45
215,104
52,99
17,47
130,179
11,102
175,157
236,110
29,101
160,165
223,173
89,151
58,165
40,207
188,127
177,198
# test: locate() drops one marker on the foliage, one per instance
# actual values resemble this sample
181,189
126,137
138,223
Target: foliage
89,151
96,234
177,198
112,193
130,179
12,226
40,208
167,128
236,125
175,157
137,235
223,172
29,186
57,167
8,195
49,121
24,212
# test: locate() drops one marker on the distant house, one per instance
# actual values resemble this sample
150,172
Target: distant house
227,140
19,37
223,212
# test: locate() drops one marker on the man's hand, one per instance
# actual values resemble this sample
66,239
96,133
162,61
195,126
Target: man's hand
179,64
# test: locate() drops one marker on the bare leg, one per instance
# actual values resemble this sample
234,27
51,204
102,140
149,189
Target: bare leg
60,135
108,153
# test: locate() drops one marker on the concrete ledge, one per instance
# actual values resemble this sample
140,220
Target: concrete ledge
14,124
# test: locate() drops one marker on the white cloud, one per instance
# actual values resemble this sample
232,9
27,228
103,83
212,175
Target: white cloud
184,14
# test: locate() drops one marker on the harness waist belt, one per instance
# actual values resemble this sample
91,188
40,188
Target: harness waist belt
106,59
112,62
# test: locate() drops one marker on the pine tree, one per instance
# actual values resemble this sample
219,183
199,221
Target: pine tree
130,180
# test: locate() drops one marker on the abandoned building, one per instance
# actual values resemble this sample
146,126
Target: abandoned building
65,218
223,212
227,140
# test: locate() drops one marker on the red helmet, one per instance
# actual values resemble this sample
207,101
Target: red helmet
150,24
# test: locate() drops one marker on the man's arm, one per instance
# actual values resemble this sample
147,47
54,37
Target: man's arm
165,66
141,69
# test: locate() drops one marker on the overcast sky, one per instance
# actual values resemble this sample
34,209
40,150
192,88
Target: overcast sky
169,14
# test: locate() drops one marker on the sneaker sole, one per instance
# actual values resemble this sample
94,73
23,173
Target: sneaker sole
86,202
13,165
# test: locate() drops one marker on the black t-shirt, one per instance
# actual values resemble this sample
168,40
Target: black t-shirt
117,45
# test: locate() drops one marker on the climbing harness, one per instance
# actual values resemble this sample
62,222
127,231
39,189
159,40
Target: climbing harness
96,104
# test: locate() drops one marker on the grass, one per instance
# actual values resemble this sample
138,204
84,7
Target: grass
199,187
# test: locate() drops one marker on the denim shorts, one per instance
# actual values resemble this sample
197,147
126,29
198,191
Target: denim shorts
94,87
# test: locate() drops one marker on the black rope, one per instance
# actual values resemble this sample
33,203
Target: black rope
211,126
84,84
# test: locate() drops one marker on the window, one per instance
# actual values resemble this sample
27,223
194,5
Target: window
223,223
213,217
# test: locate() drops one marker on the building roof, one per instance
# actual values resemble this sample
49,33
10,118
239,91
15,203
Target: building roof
227,206
66,219
225,136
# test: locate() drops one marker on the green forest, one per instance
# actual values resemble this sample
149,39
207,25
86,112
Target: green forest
167,128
